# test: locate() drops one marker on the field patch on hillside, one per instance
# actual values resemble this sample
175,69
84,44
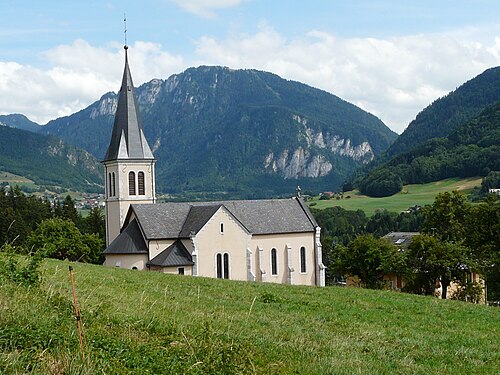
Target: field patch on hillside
411,195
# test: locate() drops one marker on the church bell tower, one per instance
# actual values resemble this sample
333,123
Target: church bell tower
129,162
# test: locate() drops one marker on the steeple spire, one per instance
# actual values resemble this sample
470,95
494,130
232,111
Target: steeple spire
127,139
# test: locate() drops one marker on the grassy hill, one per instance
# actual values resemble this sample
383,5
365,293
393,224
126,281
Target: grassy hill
140,322
411,195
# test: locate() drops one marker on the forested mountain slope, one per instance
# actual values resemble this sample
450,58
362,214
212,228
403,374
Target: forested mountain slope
48,161
19,121
441,117
244,131
472,149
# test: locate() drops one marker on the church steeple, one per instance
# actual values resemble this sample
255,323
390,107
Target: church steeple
129,163
127,139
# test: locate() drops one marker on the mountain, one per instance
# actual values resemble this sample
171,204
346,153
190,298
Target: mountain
243,131
441,117
48,161
472,149
19,121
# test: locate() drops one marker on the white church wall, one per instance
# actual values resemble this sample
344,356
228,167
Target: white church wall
233,239
157,246
128,261
282,243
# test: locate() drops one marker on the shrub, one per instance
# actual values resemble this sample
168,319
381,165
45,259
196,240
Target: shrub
12,269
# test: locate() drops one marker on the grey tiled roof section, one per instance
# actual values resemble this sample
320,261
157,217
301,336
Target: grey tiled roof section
174,255
270,215
305,207
176,220
127,138
161,220
130,241
197,218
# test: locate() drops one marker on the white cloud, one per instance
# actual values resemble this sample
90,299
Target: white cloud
393,78
205,8
78,75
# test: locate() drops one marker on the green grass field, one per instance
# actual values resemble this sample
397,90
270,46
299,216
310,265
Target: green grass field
143,322
411,195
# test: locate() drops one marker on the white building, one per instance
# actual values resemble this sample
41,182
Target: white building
255,240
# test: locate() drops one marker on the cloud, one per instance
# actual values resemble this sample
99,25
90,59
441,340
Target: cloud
78,74
205,8
392,78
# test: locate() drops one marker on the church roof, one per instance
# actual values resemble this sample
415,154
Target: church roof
127,139
130,241
174,255
178,220
197,218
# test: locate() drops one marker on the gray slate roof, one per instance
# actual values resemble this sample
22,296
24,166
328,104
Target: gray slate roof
174,255
178,220
130,241
127,139
197,218
401,239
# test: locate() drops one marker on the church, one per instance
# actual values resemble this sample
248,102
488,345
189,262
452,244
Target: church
273,240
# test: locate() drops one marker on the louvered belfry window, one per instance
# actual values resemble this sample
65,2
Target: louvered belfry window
140,183
131,183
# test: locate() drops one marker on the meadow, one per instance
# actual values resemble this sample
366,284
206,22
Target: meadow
411,195
138,322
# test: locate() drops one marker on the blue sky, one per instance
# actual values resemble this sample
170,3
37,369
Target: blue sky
389,57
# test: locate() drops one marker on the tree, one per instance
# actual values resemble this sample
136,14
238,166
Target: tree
430,260
483,239
381,183
370,259
94,223
69,212
447,217
382,223
60,239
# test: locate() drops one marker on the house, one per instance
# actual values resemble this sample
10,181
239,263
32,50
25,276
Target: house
401,240
396,282
254,240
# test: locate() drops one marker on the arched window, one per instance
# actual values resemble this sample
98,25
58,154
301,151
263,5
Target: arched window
113,184
303,267
219,265
226,265
274,262
140,183
222,265
131,183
